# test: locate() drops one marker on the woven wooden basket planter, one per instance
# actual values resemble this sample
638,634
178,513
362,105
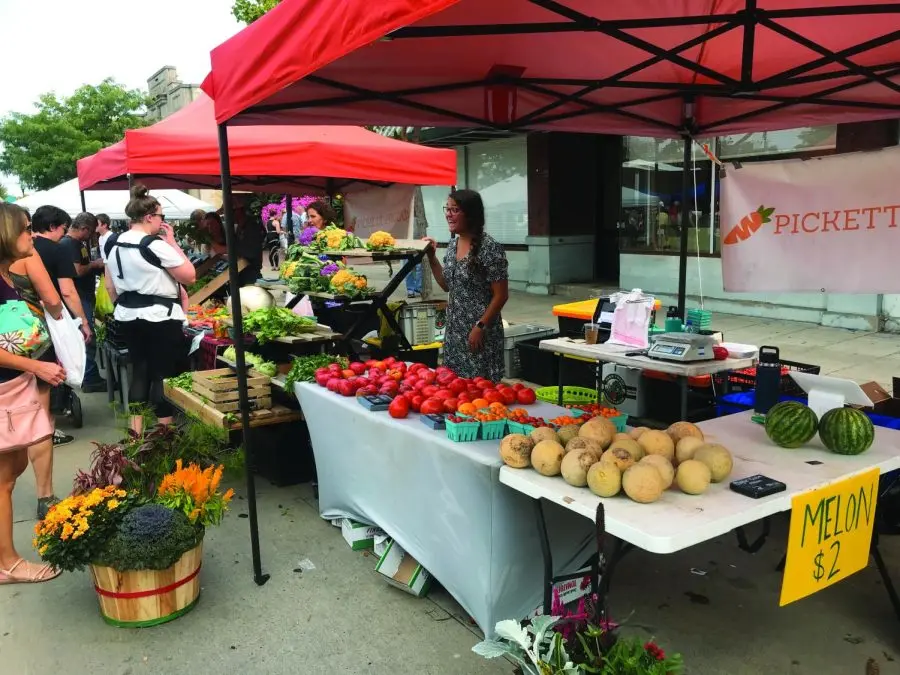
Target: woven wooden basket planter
139,599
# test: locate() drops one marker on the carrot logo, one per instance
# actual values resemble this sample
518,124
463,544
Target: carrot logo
748,225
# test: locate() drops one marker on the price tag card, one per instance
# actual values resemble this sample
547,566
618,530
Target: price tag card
830,536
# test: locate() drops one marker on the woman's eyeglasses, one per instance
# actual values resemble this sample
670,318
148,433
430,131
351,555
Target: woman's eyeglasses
451,210
162,216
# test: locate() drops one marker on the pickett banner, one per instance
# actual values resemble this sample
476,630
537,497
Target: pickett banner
830,224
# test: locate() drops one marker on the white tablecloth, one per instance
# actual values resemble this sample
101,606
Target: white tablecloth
441,501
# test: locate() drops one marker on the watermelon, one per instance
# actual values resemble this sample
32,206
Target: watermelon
790,424
846,431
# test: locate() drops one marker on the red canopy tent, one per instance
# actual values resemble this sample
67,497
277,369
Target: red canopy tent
182,151
660,68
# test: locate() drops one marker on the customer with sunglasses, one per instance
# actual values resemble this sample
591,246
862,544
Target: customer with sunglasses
146,268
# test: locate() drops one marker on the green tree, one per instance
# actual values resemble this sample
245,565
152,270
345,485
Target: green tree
42,148
248,11
3,192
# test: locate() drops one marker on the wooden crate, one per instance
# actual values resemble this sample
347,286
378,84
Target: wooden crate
191,403
220,388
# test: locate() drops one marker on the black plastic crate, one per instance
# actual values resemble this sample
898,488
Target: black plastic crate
283,454
536,365
115,337
745,379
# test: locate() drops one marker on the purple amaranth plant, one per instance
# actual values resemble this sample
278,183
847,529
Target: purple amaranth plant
108,464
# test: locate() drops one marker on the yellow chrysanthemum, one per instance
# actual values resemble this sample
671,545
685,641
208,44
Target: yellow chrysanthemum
67,531
112,504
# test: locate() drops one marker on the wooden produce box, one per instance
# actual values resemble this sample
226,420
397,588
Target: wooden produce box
220,388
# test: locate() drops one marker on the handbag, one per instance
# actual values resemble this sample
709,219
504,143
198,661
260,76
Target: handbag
21,332
69,345
23,420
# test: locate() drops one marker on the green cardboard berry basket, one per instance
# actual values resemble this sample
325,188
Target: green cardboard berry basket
463,432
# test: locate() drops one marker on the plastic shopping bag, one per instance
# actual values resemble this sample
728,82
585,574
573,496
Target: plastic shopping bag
631,319
104,306
69,345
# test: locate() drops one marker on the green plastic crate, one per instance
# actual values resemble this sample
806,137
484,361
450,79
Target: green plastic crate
515,427
571,395
463,432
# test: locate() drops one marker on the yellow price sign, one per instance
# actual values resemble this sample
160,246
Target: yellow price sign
830,536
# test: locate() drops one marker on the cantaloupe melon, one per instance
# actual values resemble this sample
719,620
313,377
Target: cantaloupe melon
622,435
686,447
547,458
632,446
692,477
567,433
544,434
717,458
575,466
579,443
619,456
604,479
637,431
515,450
642,483
657,443
600,429
664,466
680,430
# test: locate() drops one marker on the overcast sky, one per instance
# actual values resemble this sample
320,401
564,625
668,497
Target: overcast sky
58,45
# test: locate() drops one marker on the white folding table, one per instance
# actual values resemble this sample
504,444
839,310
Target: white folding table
678,521
607,353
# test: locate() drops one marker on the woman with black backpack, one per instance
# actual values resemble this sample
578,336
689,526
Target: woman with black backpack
146,269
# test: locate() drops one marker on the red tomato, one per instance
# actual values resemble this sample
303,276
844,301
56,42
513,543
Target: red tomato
518,386
335,367
432,406
502,386
332,384
450,405
416,403
446,378
371,363
416,367
457,386
384,379
357,368
404,388
396,375
399,408
379,365
419,385
492,396
474,392
389,387
508,394
443,394
464,397
369,390
389,361
526,396
429,390
440,370
427,375
346,388
322,379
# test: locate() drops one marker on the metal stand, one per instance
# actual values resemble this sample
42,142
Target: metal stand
602,567
379,301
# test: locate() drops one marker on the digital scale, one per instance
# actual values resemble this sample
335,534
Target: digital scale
681,347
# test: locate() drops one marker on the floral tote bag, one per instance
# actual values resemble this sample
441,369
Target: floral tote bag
21,332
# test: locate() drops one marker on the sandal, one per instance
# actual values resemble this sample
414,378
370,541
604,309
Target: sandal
39,573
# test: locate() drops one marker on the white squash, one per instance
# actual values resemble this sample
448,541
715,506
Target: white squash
253,298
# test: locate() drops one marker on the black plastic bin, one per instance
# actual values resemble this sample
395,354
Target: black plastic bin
283,454
542,367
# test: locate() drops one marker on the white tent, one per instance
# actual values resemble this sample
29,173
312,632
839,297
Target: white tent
177,205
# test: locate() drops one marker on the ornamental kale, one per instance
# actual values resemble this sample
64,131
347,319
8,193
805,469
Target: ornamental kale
328,270
307,236
150,537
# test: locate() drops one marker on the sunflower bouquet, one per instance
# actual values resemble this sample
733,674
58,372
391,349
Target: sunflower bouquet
380,241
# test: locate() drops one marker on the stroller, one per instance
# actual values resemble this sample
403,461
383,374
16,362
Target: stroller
64,401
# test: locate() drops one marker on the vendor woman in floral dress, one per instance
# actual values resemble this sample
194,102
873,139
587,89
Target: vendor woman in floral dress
475,275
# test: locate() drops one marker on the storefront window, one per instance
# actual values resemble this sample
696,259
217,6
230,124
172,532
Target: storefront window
652,184
498,170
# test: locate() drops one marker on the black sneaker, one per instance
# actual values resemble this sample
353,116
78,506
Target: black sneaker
44,504
60,439
95,387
